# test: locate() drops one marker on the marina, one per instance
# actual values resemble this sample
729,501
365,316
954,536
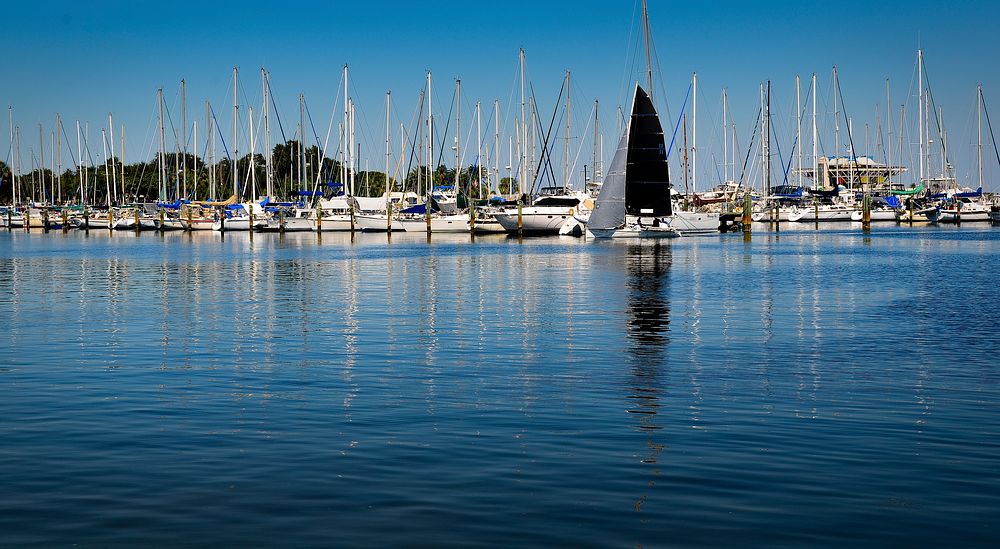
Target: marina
314,388
566,274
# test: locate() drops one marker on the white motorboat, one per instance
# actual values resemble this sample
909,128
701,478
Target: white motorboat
455,223
546,215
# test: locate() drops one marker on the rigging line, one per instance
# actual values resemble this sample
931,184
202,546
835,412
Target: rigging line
546,154
218,130
753,138
990,126
847,121
270,95
673,138
444,134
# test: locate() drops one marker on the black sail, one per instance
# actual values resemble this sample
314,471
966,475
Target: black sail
647,182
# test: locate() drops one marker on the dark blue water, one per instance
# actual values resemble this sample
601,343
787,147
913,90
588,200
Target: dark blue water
808,388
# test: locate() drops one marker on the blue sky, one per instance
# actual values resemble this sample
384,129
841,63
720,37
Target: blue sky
84,60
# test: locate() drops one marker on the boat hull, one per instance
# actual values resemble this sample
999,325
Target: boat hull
376,223
634,232
533,221
439,224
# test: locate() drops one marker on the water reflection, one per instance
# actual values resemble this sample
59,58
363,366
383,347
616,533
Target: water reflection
648,330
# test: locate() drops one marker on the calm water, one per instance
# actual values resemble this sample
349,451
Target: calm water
808,388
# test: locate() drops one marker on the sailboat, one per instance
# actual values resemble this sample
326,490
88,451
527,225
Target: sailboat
636,190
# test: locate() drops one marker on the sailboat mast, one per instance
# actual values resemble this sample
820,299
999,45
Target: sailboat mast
79,165
816,179
649,64
597,123
479,150
798,124
59,156
979,133
114,173
194,169
496,144
430,143
253,157
344,140
694,133
920,116
388,145
184,150
303,177
267,130
162,167
836,115
522,135
458,134
566,148
725,136
236,113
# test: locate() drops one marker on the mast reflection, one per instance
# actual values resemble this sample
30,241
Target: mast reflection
648,332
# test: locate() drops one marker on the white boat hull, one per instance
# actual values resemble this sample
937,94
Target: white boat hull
811,215
634,231
965,216
876,215
376,223
695,223
334,223
535,220
458,223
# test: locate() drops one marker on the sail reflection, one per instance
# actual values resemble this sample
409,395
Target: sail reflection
648,332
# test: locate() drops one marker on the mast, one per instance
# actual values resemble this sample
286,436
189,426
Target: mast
194,174
253,159
816,179
236,146
798,123
496,144
59,157
10,119
522,136
122,162
114,173
345,145
479,149
649,65
979,134
303,177
458,134
765,137
79,166
265,90
920,116
836,114
888,124
725,135
566,148
162,166
41,160
107,177
597,123
184,175
388,145
430,145
355,164
694,133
